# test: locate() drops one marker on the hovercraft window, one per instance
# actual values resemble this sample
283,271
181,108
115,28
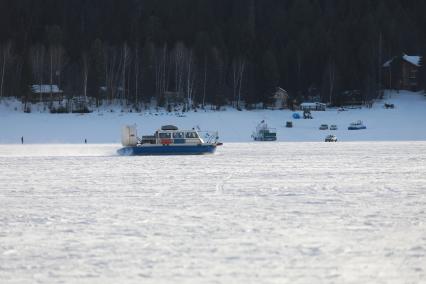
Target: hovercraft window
178,135
191,135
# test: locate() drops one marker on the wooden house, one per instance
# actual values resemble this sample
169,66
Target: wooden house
401,73
279,99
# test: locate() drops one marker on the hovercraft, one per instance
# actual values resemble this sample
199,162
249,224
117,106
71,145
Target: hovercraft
168,140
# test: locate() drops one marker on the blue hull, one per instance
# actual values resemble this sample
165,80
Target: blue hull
167,150
356,128
266,139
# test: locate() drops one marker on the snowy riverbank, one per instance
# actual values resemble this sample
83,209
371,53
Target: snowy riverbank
404,123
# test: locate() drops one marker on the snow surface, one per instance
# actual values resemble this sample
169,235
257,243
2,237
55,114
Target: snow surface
251,213
404,123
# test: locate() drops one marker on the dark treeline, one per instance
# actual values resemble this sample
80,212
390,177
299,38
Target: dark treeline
207,51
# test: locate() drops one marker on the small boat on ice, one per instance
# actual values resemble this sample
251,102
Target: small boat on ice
357,125
169,140
264,133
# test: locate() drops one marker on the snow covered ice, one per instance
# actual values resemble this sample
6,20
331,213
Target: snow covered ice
251,213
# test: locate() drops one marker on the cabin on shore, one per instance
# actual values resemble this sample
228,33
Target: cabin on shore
279,99
312,106
401,72
45,93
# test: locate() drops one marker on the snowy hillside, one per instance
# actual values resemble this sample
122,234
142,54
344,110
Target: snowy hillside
404,123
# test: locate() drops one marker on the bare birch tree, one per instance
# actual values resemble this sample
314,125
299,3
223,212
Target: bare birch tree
205,81
178,56
219,63
113,65
125,59
238,69
190,78
6,54
85,72
331,78
136,68
161,72
37,57
56,61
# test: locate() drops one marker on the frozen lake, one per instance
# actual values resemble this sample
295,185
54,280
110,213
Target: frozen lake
251,213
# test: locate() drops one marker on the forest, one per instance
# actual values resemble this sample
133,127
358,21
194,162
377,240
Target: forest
205,51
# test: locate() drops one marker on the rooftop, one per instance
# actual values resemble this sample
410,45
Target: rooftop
46,89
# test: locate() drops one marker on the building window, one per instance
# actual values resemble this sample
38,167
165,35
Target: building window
413,74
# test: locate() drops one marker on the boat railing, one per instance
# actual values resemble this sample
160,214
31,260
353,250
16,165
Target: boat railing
210,137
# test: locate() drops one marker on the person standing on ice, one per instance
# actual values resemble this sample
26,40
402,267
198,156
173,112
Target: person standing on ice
22,139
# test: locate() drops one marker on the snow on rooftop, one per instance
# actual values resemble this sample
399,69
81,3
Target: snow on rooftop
311,104
415,60
388,63
44,89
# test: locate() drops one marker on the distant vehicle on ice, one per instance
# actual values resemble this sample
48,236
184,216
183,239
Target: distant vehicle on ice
307,114
358,125
289,124
333,127
323,127
391,106
331,138
264,133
